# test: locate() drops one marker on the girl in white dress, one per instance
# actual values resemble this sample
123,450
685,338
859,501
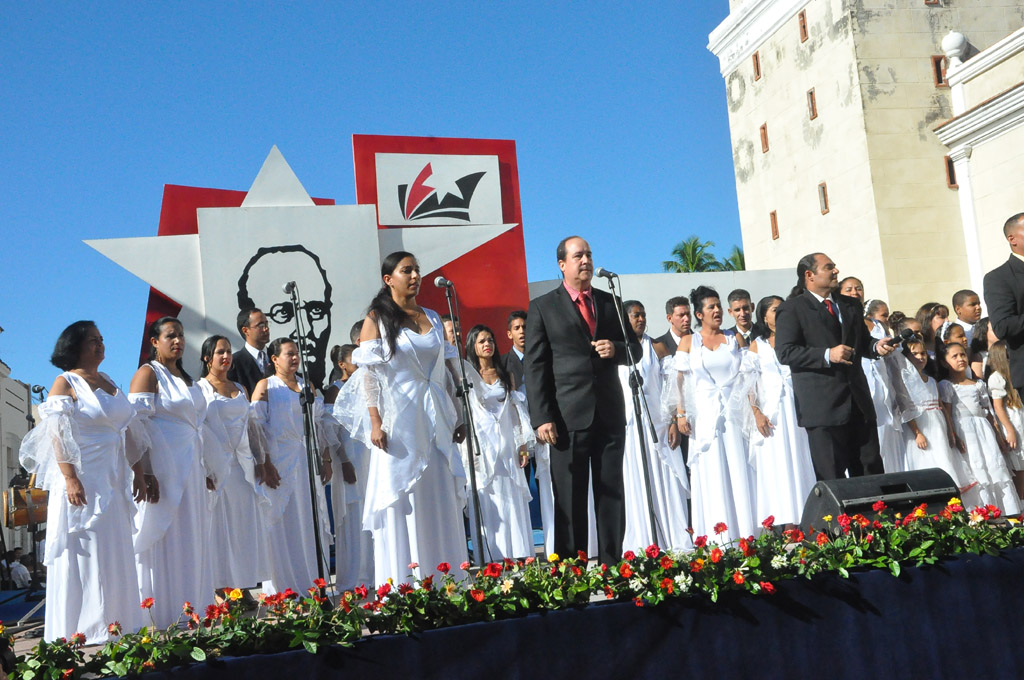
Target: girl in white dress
353,558
714,401
669,483
503,434
1008,410
971,411
929,439
172,537
400,404
779,449
234,474
77,454
290,538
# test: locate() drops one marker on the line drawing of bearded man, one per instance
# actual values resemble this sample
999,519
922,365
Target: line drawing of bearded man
261,286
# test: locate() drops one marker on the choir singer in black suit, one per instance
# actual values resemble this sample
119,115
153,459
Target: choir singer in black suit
574,344
249,363
1004,296
821,336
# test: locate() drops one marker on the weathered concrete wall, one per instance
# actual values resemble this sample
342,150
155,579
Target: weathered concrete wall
997,171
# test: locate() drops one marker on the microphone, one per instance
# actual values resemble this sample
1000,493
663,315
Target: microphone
288,288
442,282
601,271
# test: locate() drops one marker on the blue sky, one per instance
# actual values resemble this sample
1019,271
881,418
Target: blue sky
617,109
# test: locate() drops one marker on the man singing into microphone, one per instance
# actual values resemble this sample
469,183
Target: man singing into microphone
574,345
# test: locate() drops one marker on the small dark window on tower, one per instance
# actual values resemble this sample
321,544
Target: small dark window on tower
812,104
802,19
775,225
939,70
764,138
823,198
951,174
757,65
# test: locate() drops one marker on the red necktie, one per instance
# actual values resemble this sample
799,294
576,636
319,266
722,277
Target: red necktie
583,302
830,308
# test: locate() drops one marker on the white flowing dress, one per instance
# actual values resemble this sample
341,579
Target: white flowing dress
504,494
890,439
90,562
171,543
970,405
721,479
290,539
415,491
237,505
669,484
784,471
997,389
353,545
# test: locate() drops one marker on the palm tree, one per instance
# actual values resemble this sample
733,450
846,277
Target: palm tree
735,262
692,256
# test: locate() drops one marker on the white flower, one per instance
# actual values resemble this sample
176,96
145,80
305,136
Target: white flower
778,562
684,581
755,587
637,584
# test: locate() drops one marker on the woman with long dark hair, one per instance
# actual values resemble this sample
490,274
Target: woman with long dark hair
77,454
171,543
400,404
503,433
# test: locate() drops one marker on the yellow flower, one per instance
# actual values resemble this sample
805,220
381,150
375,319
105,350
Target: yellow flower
235,594
553,557
146,639
506,586
919,512
449,588
1011,520
954,501
827,518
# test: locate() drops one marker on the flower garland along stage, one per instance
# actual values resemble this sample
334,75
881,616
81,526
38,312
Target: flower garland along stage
510,589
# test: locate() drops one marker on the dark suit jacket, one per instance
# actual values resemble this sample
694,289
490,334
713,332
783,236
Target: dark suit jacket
566,382
244,370
824,394
514,367
1004,297
669,341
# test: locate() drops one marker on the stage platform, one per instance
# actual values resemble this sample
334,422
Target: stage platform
958,619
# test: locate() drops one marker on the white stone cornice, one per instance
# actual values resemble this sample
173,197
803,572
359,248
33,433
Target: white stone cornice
985,121
747,27
984,60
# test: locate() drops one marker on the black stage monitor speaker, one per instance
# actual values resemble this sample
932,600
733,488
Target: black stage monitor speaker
901,491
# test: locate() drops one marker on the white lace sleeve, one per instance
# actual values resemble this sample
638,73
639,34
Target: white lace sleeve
138,442
52,441
997,385
524,434
744,387
684,387
257,440
330,432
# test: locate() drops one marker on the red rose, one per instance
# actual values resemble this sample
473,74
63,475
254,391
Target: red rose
444,567
147,603
767,587
582,555
869,538
608,592
745,547
876,524
383,591
464,566
477,594
879,506
289,594
822,538
361,591
844,520
604,568
320,583
638,602
345,605
492,570
666,562
769,522
212,612
629,556
716,555
721,528
625,571
793,535
700,541
530,560
652,551
576,571
738,578
696,565
668,585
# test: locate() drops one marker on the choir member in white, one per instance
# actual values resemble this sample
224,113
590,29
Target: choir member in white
1009,411
400,405
77,452
667,474
714,403
780,452
233,451
172,536
290,529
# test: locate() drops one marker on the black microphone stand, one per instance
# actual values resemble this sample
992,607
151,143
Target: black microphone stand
640,409
472,444
307,397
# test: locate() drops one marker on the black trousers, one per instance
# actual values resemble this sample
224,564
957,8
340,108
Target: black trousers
851,447
574,456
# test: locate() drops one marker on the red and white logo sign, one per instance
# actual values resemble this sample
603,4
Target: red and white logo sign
428,189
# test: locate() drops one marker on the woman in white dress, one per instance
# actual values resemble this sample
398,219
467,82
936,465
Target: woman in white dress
669,484
278,410
172,537
234,474
400,404
971,412
780,451
714,401
77,454
503,433
1009,410
353,545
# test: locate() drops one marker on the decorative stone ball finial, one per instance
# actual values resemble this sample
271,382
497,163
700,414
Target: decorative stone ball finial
955,47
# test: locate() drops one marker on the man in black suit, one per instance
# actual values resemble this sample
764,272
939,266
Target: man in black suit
248,364
677,312
514,358
1004,297
574,344
821,336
